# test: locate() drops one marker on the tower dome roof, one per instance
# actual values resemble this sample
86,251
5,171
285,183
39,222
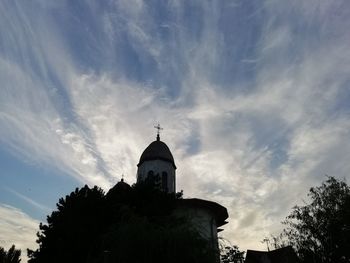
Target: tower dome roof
157,150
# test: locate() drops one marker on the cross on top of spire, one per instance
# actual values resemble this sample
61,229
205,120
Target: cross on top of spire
158,131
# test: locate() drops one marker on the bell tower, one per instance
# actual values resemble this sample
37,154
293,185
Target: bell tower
157,161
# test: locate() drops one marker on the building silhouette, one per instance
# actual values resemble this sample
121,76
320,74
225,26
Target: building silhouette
281,255
206,216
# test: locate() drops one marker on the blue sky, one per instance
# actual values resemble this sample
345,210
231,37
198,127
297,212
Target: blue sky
253,97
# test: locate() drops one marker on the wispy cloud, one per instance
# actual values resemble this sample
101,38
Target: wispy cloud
17,228
29,200
253,97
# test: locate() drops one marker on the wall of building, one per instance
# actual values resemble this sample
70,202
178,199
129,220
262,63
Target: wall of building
203,221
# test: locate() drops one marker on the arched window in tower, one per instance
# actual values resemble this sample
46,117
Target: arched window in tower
153,178
165,181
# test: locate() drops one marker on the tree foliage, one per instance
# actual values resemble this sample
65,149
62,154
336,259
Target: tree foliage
13,255
231,254
320,230
128,224
72,229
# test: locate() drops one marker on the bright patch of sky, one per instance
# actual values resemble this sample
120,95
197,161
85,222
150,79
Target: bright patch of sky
253,97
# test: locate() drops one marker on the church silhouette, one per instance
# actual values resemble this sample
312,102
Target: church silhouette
205,216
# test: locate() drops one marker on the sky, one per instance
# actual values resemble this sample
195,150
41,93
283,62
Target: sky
253,96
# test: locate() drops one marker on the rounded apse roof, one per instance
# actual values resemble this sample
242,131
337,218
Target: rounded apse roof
120,189
157,150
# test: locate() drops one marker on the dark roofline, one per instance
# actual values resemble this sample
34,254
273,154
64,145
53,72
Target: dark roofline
271,251
284,254
217,210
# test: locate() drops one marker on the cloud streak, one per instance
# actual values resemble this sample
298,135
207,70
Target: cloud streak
252,96
29,200
17,228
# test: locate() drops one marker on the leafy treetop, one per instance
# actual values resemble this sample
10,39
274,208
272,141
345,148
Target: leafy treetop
320,230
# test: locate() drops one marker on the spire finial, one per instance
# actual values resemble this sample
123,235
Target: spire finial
158,131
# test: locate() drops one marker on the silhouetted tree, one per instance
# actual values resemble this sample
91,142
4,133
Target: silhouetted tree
128,224
231,254
13,255
73,229
320,230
